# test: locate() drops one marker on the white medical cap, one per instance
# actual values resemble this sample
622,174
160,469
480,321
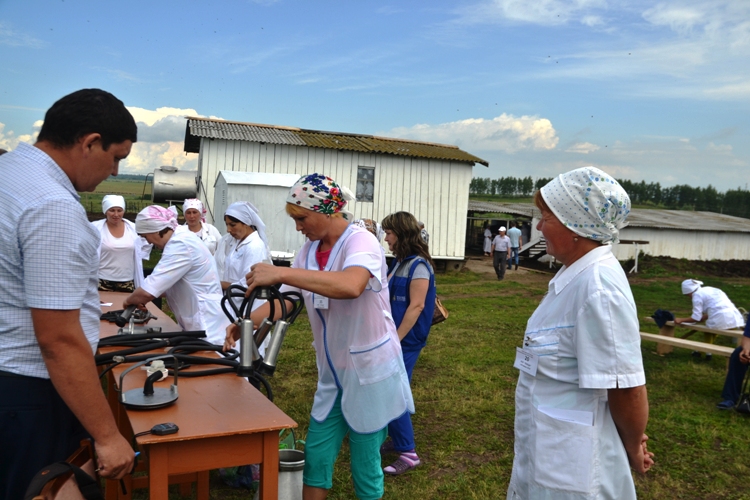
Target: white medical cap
112,200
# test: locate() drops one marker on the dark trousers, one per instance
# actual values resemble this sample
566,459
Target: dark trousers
498,262
401,429
735,376
36,429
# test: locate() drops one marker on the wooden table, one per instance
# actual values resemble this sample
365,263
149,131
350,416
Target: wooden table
666,340
223,422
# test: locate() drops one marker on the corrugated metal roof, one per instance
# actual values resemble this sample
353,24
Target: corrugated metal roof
663,219
198,128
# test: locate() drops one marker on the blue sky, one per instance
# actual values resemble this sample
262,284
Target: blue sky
654,91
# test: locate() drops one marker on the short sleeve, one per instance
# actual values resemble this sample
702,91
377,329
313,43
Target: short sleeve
608,345
53,232
362,250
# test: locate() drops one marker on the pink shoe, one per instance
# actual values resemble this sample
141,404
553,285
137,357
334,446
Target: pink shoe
404,463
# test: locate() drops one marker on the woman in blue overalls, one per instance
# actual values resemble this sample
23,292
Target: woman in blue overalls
411,281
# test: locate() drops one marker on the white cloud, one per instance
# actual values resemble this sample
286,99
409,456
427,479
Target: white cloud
541,12
582,148
12,38
503,133
146,156
9,140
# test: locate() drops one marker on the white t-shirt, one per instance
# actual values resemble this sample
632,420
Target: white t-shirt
116,262
586,335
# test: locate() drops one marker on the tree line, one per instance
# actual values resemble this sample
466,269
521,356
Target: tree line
734,202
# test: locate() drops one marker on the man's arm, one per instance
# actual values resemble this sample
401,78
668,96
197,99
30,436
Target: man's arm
70,363
745,352
629,408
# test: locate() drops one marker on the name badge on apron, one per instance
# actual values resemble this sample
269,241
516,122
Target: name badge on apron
320,302
526,361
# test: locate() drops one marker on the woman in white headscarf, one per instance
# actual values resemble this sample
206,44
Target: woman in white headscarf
121,250
186,274
244,244
195,221
581,402
710,305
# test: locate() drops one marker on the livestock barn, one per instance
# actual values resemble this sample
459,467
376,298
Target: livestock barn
680,234
429,180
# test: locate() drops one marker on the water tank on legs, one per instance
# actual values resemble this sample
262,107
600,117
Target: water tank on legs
173,185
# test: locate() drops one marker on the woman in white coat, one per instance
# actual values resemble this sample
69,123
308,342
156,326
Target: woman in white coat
195,221
244,244
581,402
121,250
186,274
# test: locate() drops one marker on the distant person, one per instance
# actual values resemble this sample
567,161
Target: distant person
500,252
121,250
738,362
712,306
487,240
581,401
195,221
50,393
516,242
186,274
373,226
423,233
411,281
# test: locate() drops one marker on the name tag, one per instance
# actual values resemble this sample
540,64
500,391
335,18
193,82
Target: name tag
526,361
320,302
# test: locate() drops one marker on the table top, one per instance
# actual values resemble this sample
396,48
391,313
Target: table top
210,406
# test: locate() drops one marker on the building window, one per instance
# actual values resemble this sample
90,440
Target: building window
365,183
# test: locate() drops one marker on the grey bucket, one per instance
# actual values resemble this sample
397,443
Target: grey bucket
291,464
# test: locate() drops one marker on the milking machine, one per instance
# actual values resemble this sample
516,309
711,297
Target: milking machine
181,346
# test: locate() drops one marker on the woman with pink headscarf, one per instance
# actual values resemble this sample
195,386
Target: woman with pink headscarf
186,274
195,221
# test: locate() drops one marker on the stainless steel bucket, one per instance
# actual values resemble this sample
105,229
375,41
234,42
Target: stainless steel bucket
291,464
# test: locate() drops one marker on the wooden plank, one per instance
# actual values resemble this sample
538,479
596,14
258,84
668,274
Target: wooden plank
688,344
738,334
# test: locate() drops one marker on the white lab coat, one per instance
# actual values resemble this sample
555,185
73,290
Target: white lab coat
208,234
586,335
355,340
722,314
187,274
141,248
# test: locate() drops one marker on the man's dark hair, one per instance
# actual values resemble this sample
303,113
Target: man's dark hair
88,111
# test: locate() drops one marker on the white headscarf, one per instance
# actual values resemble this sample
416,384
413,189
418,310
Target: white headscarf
153,219
112,200
689,286
373,226
589,202
196,204
245,212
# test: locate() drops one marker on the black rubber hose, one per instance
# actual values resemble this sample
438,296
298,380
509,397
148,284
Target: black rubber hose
114,339
255,379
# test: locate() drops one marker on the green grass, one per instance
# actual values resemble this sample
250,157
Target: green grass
464,385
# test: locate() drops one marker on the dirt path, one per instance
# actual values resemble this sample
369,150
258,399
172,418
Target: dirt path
483,267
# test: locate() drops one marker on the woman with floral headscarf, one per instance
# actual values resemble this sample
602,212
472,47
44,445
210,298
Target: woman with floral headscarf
186,274
195,221
362,382
581,402
121,250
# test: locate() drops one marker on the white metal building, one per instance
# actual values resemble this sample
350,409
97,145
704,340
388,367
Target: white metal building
680,234
429,180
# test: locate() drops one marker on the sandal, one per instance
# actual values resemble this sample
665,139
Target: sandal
387,447
403,464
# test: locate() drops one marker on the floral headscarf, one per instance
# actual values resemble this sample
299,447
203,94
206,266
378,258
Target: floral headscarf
196,204
153,219
321,194
589,202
